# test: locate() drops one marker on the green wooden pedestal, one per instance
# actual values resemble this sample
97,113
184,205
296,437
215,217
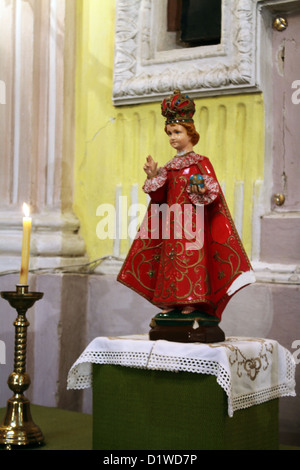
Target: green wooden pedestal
136,409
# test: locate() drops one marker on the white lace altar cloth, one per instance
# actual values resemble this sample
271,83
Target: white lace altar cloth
250,370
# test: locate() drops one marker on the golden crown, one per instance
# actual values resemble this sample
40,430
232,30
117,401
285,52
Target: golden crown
178,108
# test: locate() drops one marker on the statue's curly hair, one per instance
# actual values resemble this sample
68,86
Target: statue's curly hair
191,130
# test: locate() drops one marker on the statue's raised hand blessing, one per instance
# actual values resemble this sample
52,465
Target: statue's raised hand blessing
150,167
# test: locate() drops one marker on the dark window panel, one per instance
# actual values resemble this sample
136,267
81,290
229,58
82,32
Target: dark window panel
201,22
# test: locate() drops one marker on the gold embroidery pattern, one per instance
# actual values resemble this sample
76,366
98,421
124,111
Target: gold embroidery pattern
251,366
234,229
229,262
175,268
151,263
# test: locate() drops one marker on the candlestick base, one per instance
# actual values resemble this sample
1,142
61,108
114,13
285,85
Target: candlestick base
17,427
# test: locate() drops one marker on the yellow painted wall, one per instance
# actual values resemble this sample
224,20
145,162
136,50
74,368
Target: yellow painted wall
113,142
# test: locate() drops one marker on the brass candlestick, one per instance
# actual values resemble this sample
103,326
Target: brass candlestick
17,427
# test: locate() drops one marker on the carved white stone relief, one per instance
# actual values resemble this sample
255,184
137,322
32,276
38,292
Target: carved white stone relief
146,66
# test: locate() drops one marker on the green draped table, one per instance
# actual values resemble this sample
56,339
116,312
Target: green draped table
160,395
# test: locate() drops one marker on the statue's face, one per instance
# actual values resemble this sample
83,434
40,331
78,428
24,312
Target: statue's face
178,137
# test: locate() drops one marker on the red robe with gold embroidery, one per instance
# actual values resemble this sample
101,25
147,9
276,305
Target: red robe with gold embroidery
187,250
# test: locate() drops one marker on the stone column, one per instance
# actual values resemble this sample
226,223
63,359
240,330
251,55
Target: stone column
37,66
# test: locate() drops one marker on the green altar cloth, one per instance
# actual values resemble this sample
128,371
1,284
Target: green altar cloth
159,410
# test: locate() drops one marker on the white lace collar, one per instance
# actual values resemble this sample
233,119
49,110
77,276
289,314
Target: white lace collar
184,161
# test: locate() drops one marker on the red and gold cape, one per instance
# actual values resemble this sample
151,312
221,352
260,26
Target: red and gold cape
187,250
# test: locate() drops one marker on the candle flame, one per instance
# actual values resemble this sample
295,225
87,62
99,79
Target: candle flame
25,209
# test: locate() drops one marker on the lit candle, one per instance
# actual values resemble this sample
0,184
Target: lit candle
25,245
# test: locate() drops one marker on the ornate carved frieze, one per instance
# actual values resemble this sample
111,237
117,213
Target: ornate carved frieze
146,66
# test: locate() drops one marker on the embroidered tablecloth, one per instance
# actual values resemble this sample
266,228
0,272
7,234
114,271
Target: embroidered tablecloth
250,370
